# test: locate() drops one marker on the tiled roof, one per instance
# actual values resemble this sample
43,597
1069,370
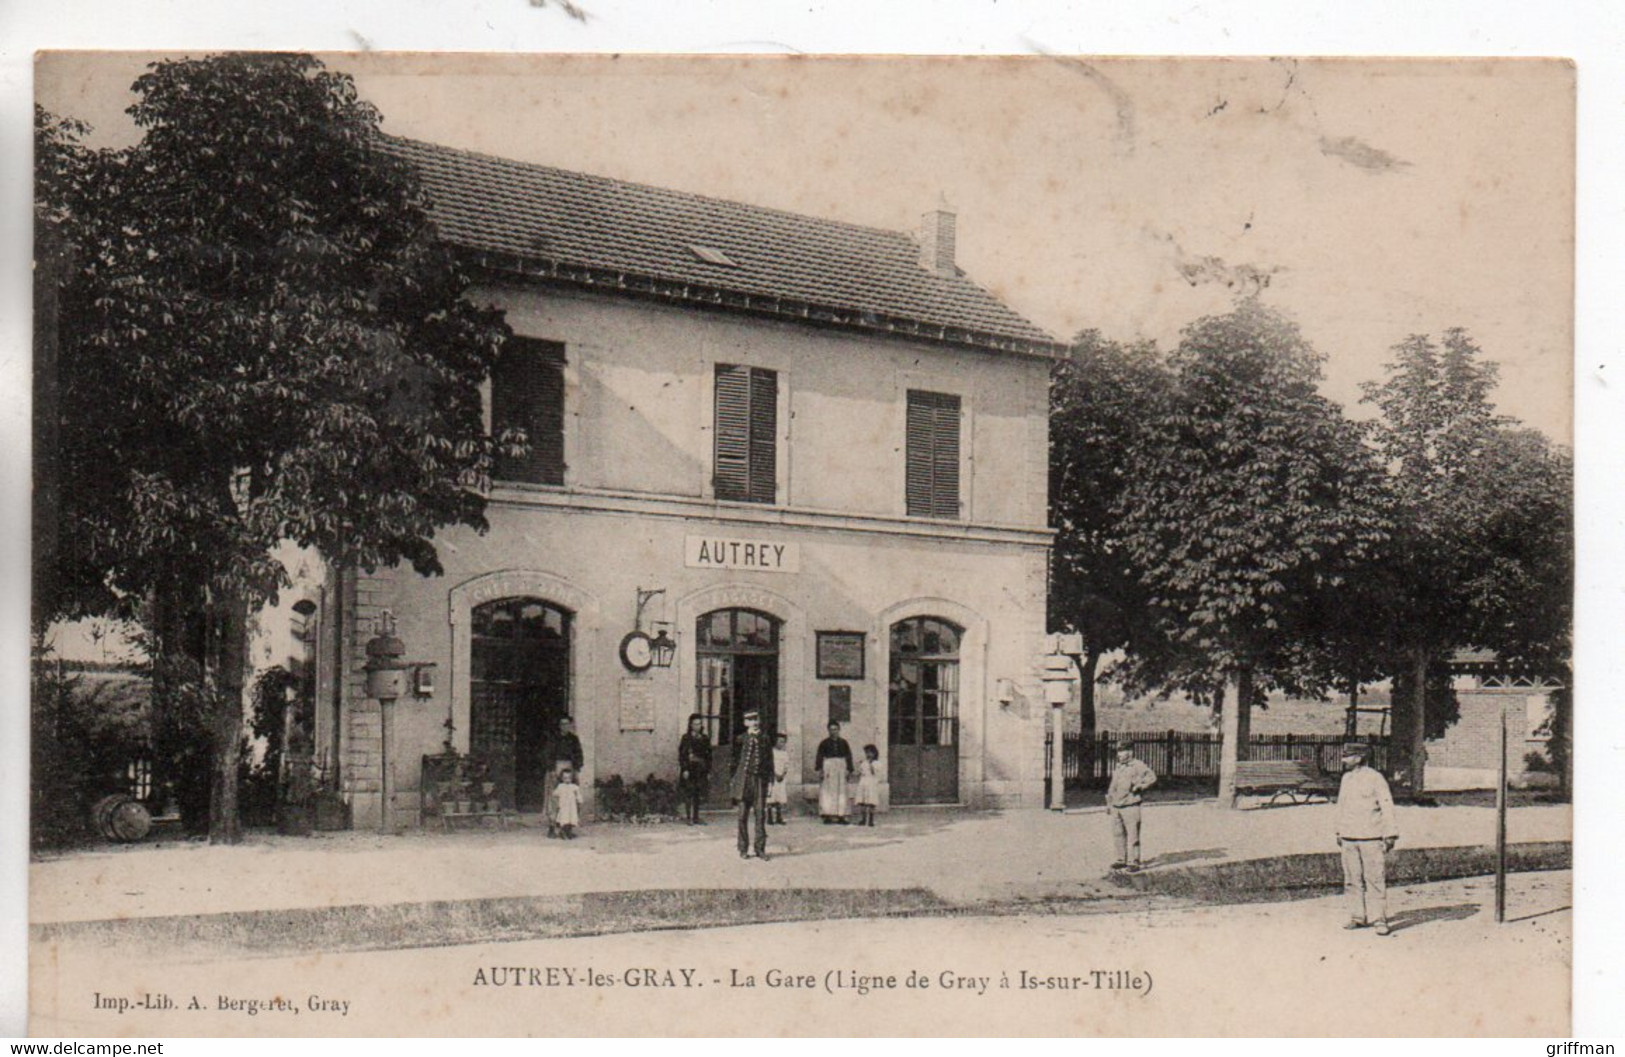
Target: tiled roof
558,225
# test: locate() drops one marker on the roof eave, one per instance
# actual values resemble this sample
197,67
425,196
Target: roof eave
720,298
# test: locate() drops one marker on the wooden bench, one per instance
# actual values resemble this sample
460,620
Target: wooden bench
1289,778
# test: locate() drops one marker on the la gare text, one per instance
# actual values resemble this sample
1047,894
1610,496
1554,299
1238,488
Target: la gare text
830,980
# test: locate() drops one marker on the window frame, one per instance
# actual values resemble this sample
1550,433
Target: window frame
762,445
950,407
540,354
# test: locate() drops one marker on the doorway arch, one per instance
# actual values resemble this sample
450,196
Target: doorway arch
923,710
585,624
961,770
736,670
519,675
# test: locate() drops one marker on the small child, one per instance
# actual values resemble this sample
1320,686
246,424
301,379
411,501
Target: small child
868,785
778,793
567,798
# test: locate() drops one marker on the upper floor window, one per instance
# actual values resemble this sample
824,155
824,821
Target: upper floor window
933,454
747,424
527,394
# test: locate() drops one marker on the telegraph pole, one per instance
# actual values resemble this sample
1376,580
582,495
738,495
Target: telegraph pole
1501,827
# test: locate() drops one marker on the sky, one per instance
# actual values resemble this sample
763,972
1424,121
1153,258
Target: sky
1368,200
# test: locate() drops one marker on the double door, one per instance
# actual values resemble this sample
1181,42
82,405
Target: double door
923,712
520,690
737,672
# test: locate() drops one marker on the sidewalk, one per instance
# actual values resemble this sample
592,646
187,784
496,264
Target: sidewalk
962,858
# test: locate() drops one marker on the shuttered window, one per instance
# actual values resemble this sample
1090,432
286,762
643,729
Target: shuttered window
933,454
527,393
747,423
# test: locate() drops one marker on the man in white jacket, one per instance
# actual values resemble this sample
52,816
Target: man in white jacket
1366,832
1130,779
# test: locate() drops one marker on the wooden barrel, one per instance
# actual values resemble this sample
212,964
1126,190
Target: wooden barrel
101,814
121,818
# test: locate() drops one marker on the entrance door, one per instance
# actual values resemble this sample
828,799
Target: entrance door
923,720
520,658
737,654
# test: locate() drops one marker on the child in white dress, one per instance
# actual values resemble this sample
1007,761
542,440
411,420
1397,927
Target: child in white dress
567,801
868,785
778,794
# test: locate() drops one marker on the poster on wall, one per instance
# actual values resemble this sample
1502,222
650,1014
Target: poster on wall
840,654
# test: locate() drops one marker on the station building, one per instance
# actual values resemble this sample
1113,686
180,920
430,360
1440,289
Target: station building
806,459
1490,694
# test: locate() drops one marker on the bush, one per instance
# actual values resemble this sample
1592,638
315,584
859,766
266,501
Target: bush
650,800
184,704
85,734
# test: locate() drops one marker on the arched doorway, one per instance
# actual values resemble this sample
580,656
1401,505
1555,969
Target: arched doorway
736,671
923,711
520,689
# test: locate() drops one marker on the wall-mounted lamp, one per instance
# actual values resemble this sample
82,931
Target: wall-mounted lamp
1005,689
664,646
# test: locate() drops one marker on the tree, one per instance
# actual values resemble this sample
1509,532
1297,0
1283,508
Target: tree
1248,506
1102,399
261,340
1524,598
1521,594
1483,537
66,175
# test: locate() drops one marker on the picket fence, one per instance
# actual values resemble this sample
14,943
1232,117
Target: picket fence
1177,754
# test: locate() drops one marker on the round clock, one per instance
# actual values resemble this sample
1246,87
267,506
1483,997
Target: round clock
637,652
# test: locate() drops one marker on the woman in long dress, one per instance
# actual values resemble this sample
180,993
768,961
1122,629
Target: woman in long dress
834,767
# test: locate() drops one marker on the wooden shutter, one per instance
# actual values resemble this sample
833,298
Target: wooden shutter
527,392
933,454
746,427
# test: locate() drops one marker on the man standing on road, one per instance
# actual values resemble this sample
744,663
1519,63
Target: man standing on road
1130,779
753,772
1366,833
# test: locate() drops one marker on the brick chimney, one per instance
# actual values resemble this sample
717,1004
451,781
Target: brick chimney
937,241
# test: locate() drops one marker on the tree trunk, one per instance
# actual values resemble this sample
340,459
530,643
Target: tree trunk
1088,665
178,657
1417,736
228,628
1244,714
1230,709
1351,719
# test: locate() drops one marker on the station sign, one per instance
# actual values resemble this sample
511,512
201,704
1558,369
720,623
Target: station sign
759,554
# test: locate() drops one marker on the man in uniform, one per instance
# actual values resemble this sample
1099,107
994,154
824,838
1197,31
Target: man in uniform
1366,833
753,773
